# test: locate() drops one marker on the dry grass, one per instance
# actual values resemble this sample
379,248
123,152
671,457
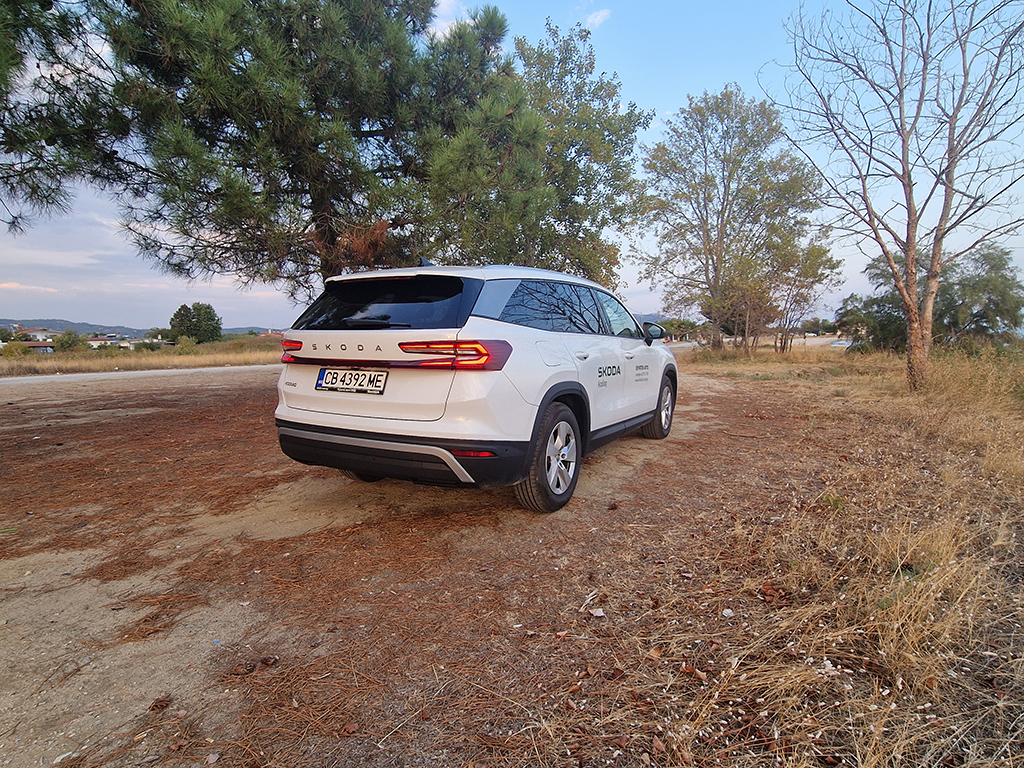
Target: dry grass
873,621
864,609
245,351
896,635
812,362
978,401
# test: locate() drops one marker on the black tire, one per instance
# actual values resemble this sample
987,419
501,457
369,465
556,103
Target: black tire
659,427
555,466
362,477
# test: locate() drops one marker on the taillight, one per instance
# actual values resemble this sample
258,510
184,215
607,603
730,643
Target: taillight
461,355
290,345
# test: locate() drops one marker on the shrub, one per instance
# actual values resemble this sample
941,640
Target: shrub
187,346
15,349
68,341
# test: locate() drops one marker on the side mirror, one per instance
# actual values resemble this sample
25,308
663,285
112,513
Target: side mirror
653,331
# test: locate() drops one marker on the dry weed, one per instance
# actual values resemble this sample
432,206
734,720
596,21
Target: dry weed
216,355
897,634
888,629
855,604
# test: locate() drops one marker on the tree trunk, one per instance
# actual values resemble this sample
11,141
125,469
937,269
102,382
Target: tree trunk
931,290
716,334
917,354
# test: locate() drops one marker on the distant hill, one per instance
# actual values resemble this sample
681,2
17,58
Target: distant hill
91,329
649,317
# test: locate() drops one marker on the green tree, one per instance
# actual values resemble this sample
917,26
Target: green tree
6,334
802,274
877,321
819,326
182,323
30,179
981,299
746,306
681,328
206,325
57,122
15,349
198,322
541,173
186,345
488,185
68,341
289,140
919,108
590,153
726,200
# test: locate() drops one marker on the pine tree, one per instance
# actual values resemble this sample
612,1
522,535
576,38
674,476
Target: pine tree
57,123
287,141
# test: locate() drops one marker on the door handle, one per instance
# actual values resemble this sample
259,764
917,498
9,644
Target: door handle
582,355
629,355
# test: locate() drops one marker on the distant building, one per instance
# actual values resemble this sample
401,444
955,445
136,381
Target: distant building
39,347
39,334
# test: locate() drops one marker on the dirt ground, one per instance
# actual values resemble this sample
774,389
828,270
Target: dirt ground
175,591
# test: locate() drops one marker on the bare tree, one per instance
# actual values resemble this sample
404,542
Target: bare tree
918,107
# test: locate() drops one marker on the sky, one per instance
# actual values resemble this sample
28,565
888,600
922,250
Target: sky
79,267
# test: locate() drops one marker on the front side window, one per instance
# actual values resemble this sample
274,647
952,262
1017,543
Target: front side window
620,321
420,301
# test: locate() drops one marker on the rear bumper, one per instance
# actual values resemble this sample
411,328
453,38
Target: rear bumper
431,462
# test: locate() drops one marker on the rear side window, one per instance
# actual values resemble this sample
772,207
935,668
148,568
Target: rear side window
542,304
427,301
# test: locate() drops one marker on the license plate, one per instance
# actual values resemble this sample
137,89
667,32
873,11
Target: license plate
350,380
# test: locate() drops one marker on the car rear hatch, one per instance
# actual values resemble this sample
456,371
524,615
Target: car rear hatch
379,347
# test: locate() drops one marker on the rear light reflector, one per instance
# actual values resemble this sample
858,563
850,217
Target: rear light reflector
474,454
461,355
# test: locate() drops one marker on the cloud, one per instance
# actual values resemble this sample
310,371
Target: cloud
20,287
598,18
39,255
447,8
446,14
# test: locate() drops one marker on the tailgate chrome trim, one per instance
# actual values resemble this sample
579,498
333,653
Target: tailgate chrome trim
362,442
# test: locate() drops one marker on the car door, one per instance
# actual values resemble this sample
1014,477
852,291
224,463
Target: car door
638,362
596,354
571,316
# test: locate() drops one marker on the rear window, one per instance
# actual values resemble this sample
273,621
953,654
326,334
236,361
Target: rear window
421,301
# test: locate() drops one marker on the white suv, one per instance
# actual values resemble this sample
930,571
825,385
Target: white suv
470,376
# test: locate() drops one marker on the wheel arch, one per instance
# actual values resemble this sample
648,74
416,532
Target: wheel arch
574,397
672,375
